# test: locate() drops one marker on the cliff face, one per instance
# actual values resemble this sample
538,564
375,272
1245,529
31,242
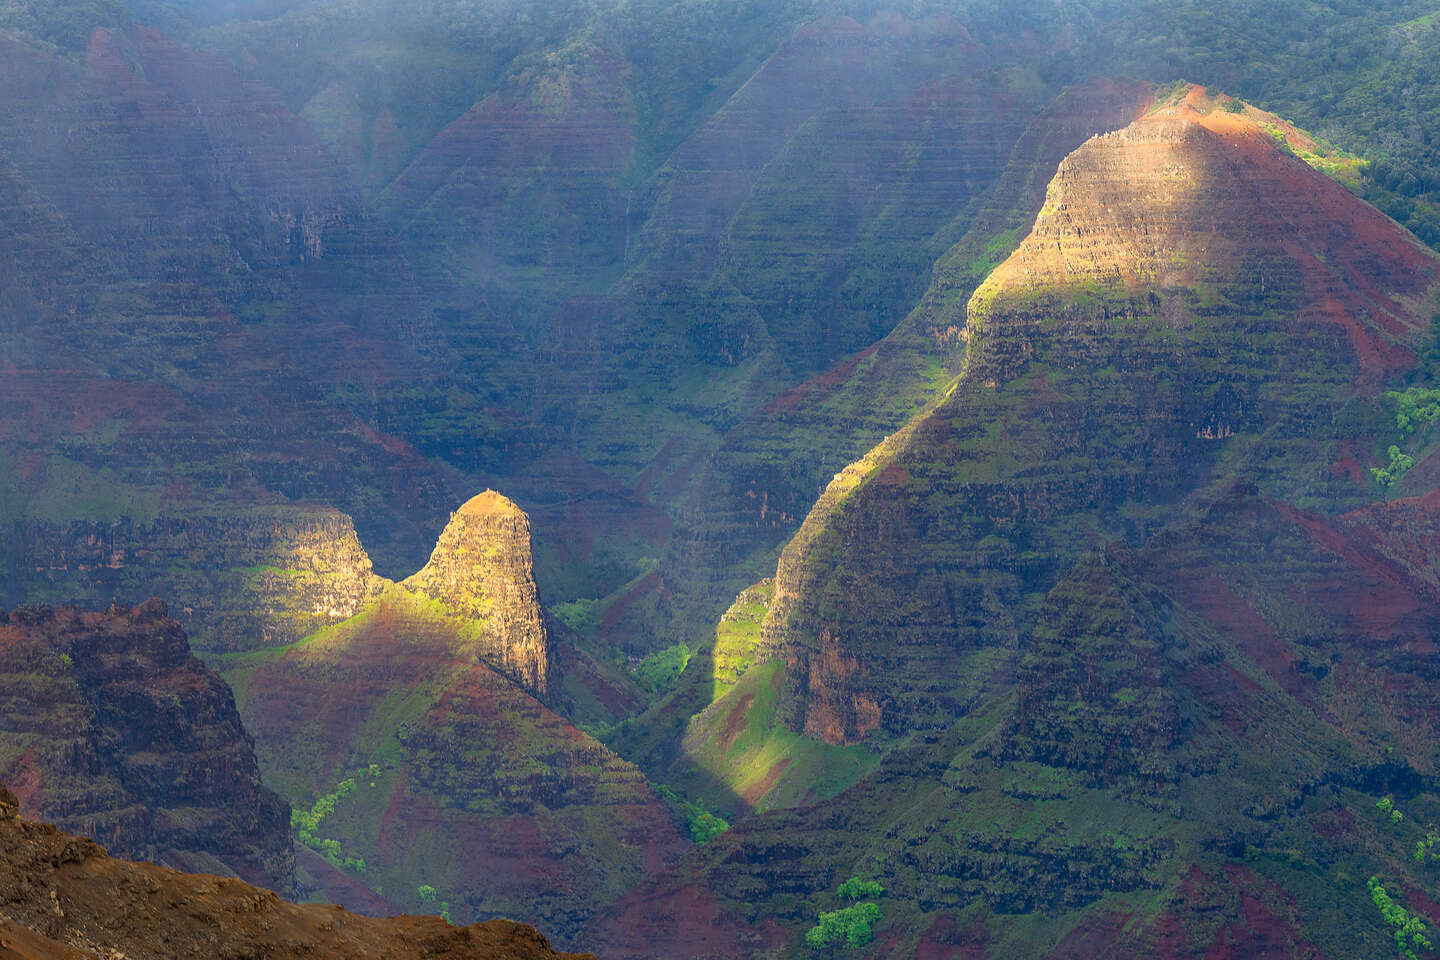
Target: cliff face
763,478
201,311
111,728
255,578
481,570
61,897
1193,304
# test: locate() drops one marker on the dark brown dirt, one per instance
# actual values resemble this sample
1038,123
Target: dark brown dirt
63,897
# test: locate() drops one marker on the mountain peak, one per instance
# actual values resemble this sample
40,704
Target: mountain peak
481,569
1205,200
487,505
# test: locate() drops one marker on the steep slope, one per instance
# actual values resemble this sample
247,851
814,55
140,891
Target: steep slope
790,230
1143,660
1193,304
62,897
424,768
109,727
201,314
765,475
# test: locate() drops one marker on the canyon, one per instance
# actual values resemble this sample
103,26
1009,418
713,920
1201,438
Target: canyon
918,457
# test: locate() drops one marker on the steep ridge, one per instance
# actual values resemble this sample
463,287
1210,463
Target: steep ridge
439,775
1226,302
764,477
63,898
194,277
109,727
1144,662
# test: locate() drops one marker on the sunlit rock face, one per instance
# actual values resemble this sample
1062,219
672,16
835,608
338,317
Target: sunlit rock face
1193,306
481,570
252,578
430,699
111,728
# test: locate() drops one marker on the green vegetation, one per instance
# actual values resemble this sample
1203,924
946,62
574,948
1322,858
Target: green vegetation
852,925
1425,849
429,896
306,823
859,889
1409,929
582,615
702,825
750,758
1387,807
1399,463
1415,407
659,671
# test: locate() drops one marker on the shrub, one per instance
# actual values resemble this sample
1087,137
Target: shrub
858,889
851,924
659,671
1399,463
1409,930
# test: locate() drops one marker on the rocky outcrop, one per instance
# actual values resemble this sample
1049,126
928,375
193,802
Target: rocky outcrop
62,897
251,578
1120,615
1194,302
481,571
476,789
111,728
459,779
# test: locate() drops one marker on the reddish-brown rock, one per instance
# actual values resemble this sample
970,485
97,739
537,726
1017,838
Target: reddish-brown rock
63,898
110,727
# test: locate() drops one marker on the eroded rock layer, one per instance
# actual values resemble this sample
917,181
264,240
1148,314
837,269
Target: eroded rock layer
257,577
418,719
111,728
481,570
1194,303
1141,643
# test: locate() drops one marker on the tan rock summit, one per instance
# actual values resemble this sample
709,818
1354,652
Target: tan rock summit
481,570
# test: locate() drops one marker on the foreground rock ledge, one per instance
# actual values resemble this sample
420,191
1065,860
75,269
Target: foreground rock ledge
63,896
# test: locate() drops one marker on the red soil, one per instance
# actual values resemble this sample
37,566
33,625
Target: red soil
735,722
944,940
756,791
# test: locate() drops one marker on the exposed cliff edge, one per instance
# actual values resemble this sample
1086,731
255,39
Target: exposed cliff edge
63,898
253,577
109,727
481,569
